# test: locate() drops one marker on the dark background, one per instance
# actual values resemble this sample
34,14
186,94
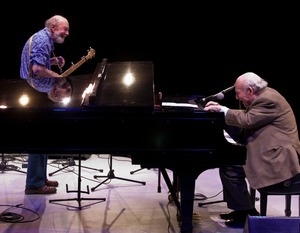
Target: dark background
196,48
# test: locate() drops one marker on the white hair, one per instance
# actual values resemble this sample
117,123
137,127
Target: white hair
54,20
254,81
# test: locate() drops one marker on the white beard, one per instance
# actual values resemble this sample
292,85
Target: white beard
59,39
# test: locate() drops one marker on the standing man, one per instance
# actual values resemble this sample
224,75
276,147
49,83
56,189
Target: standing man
36,60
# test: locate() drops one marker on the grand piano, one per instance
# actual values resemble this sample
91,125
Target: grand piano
115,110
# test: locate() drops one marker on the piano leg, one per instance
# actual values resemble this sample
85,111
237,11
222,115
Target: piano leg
187,194
187,182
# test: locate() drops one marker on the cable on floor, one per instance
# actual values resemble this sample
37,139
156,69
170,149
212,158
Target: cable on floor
202,197
12,217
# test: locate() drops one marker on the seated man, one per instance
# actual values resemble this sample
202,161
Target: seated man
271,136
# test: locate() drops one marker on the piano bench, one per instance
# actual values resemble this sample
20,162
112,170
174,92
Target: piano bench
264,200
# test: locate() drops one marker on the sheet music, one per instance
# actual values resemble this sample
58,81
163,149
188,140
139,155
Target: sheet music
184,105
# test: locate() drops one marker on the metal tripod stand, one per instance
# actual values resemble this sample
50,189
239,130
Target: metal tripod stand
111,175
159,177
71,162
137,170
5,167
78,191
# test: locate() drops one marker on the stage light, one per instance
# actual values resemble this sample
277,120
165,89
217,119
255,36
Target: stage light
24,100
128,79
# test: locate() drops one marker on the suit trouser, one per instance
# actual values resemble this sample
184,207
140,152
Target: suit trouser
235,188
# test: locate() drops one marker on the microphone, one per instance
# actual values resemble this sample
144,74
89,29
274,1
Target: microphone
218,96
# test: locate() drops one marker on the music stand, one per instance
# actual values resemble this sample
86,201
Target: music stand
79,191
111,175
71,162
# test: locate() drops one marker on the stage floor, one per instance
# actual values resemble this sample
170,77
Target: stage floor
129,207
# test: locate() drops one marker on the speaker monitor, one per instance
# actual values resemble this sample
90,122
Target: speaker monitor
264,224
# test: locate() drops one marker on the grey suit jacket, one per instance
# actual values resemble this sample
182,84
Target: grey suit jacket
272,139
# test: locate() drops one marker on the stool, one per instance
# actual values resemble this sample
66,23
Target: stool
264,199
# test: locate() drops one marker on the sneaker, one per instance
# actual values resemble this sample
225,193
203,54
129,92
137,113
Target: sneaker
42,190
52,183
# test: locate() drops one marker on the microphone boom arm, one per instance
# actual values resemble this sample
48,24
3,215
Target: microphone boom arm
227,89
218,96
